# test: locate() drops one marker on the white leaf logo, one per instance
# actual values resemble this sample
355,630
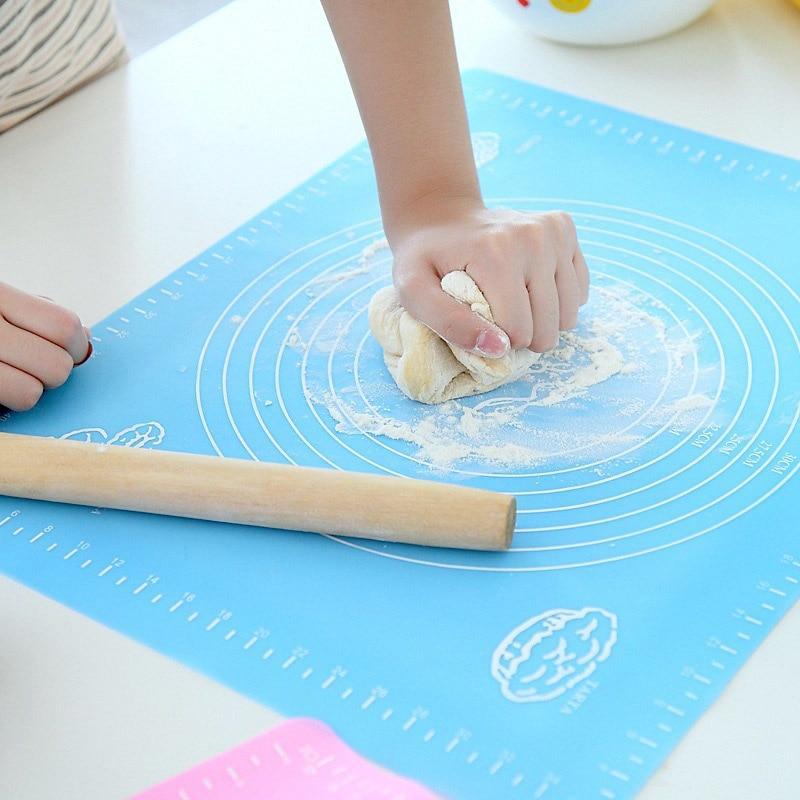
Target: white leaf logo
550,653
97,435
143,434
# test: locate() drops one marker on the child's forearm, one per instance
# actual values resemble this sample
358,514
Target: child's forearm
401,60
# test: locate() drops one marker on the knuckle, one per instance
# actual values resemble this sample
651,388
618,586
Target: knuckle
60,369
563,225
494,241
66,324
26,395
572,235
560,218
532,229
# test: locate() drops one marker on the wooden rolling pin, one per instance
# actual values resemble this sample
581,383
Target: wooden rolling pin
255,493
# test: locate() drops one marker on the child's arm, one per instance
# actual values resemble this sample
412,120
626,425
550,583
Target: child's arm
40,344
401,60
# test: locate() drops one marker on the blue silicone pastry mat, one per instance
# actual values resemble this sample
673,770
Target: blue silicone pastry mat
653,457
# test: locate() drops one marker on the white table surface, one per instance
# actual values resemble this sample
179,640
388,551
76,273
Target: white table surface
111,189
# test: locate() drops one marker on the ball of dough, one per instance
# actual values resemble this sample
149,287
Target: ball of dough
424,366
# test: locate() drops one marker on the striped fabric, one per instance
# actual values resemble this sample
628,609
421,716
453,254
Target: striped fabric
51,47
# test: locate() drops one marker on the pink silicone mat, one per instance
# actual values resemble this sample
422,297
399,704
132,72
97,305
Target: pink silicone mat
302,759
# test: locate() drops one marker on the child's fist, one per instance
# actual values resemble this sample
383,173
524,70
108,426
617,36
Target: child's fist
40,344
528,266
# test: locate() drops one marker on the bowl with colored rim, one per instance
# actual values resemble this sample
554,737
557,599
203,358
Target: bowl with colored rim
603,22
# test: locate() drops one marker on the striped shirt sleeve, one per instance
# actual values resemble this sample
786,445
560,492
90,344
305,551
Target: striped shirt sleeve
49,48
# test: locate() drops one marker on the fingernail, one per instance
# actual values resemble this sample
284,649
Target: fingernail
87,356
492,343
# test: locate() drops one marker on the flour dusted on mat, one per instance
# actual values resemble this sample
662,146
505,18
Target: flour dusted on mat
605,387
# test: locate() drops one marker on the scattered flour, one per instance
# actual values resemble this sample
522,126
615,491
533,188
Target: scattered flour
364,264
680,413
550,384
439,442
295,341
604,378
694,402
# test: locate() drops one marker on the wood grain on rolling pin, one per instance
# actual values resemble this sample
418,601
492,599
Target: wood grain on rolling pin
255,493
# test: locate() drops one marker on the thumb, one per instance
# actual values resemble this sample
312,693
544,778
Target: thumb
423,298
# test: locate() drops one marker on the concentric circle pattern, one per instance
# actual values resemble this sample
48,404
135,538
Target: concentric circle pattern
681,440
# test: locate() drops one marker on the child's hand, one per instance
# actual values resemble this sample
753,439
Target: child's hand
529,267
40,343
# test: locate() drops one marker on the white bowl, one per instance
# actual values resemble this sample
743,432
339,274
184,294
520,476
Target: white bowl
603,22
